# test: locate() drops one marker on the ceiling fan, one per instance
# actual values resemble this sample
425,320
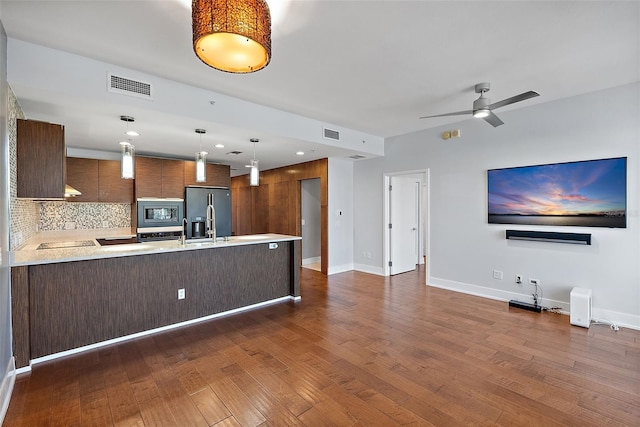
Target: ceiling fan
482,107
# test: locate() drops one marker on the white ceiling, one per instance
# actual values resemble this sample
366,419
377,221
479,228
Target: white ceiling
370,66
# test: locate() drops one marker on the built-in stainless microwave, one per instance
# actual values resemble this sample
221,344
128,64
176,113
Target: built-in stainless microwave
160,216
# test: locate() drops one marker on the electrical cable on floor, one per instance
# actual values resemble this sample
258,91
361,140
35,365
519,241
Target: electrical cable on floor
614,327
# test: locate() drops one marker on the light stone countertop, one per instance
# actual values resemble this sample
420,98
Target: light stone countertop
29,255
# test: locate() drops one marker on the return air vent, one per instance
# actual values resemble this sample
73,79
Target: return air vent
331,134
357,157
125,86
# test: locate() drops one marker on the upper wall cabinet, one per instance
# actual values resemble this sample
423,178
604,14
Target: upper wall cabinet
40,157
98,181
159,178
217,175
82,174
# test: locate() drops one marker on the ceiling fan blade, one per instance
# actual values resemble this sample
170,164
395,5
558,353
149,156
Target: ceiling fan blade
493,120
514,99
457,113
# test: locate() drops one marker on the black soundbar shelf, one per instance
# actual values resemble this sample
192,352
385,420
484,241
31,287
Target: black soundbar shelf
549,236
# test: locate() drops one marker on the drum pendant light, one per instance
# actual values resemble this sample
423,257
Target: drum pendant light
232,35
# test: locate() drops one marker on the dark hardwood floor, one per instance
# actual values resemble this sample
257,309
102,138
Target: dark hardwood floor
357,350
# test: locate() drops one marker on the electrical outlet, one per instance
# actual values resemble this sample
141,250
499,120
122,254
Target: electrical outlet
497,274
105,224
534,282
519,279
181,293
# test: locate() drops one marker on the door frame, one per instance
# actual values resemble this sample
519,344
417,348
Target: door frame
424,216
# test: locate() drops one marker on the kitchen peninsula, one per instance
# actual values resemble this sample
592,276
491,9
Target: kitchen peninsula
69,298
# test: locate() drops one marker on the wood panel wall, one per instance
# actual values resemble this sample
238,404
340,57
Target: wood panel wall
275,205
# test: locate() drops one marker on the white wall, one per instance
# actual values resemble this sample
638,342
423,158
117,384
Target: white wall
7,367
340,212
465,249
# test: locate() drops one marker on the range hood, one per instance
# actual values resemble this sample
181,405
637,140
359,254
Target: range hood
69,191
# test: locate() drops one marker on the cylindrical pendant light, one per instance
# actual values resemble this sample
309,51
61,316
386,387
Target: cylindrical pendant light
232,35
201,160
128,160
254,174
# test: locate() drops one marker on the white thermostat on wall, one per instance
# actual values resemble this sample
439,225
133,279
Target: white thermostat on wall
273,246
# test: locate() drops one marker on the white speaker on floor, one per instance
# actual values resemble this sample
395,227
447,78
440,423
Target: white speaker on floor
580,305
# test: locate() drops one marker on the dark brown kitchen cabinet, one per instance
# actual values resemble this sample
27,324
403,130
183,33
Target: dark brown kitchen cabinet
217,175
112,188
173,178
98,181
82,174
41,157
159,178
148,172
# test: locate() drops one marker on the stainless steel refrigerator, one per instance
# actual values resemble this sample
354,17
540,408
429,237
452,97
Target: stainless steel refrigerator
196,200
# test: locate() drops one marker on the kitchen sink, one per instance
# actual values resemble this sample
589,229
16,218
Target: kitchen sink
64,245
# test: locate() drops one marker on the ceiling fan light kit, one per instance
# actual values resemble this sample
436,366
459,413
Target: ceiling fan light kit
483,108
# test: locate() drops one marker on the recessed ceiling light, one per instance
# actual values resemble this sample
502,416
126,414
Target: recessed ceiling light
132,133
300,153
219,145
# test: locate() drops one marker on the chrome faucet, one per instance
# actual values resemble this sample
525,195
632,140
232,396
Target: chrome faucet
211,219
183,238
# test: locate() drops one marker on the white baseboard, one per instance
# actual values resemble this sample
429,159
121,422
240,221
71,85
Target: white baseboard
339,269
621,319
307,261
6,388
371,269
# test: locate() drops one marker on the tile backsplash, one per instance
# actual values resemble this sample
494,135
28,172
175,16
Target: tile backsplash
63,215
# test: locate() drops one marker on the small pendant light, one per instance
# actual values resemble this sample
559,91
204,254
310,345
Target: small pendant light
201,160
127,163
254,174
128,160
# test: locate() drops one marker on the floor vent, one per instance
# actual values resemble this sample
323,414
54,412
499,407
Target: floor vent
125,86
331,134
357,157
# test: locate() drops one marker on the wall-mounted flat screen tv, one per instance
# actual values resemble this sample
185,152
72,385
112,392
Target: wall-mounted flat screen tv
591,193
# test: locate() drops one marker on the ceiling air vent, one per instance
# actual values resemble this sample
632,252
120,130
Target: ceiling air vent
125,86
331,134
357,157
235,153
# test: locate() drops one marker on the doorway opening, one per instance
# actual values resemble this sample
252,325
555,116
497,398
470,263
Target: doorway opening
406,221
311,223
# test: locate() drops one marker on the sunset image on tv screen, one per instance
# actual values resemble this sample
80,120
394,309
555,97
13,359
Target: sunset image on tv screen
588,193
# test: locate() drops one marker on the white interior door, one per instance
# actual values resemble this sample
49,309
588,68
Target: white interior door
404,218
